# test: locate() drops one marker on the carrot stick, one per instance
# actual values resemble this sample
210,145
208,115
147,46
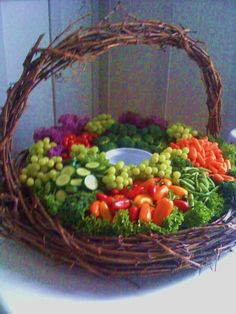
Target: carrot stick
196,144
228,178
228,164
173,145
192,153
213,169
217,178
200,159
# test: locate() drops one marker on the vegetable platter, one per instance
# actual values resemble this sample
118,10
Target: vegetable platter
63,196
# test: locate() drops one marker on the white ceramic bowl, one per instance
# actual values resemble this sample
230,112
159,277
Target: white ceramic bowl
128,155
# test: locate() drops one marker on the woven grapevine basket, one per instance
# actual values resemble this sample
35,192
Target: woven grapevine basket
22,216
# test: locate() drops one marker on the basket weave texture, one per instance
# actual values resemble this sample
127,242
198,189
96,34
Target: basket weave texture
23,217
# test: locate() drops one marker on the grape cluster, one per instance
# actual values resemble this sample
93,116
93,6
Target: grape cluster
118,176
40,168
85,155
180,130
99,124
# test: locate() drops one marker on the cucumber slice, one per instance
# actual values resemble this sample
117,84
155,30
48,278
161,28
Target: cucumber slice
76,182
62,180
91,182
92,165
69,170
71,189
61,196
47,188
83,172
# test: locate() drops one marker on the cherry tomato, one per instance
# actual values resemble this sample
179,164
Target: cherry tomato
95,208
105,211
133,213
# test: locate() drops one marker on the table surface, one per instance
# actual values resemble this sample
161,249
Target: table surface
32,283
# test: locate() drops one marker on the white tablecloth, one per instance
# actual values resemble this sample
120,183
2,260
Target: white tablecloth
33,284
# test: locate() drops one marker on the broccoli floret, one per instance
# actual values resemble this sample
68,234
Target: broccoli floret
107,147
155,130
179,163
142,131
148,138
136,138
115,128
125,142
228,190
112,137
142,145
159,146
101,140
131,129
123,130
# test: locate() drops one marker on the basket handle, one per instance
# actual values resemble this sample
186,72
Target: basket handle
84,45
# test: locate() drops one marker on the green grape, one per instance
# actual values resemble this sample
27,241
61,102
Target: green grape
119,180
163,166
120,186
176,174
40,175
44,169
34,159
141,167
168,155
37,182
23,178
148,170
94,150
130,181
75,148
58,159
154,170
119,165
162,158
184,156
40,151
124,175
51,163
155,157
111,178
125,182
185,150
59,166
111,170
53,174
111,185
47,147
46,140
145,162
42,161
24,171
30,182
161,174
136,171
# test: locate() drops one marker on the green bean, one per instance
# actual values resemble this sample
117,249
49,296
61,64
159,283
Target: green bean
203,187
190,181
186,184
191,199
204,181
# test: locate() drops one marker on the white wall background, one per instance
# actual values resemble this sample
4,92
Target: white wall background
138,78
